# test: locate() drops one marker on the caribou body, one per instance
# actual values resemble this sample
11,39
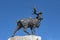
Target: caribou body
31,23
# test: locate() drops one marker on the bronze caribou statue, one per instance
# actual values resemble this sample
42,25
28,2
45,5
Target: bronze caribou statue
31,23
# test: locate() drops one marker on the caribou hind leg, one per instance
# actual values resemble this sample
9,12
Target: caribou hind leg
18,27
26,31
15,31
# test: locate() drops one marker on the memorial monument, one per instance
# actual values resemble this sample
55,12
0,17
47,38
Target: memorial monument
31,23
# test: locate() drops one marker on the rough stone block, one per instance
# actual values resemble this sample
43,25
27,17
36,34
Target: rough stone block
27,37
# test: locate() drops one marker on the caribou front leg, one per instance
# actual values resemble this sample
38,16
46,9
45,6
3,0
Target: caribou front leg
26,31
34,30
31,30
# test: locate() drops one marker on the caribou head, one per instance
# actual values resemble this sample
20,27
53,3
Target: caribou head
38,15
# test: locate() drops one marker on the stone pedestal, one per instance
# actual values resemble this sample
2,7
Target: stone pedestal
27,37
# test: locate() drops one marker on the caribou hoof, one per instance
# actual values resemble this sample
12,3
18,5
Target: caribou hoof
12,36
29,34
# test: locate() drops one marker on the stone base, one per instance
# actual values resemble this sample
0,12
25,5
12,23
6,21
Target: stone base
28,37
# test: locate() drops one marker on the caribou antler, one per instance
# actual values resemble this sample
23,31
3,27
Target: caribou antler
35,11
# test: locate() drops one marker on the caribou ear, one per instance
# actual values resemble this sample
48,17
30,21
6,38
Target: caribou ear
40,13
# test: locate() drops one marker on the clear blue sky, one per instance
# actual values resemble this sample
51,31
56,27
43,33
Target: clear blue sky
13,10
